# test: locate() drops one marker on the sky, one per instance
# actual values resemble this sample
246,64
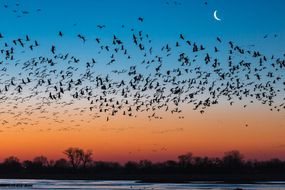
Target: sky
256,131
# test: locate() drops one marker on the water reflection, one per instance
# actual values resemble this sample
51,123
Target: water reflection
124,185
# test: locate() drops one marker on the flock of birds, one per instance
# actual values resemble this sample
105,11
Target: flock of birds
19,11
139,78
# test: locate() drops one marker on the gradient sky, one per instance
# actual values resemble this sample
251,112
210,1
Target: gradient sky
220,129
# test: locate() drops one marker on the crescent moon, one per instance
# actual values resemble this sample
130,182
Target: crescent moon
216,17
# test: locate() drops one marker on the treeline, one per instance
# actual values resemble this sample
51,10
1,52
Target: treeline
78,161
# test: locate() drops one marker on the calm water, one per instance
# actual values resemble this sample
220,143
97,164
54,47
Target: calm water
123,185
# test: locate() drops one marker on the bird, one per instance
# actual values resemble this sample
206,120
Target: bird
101,26
81,37
219,40
53,49
141,19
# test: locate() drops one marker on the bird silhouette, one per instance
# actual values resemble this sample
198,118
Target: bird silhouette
139,77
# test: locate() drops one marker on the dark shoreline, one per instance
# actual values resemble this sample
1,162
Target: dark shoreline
167,178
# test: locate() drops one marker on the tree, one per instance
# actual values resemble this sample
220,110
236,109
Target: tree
87,158
233,159
61,163
41,161
131,166
12,164
77,157
11,160
185,159
145,165
74,156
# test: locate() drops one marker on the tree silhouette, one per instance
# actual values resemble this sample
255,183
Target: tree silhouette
131,166
77,157
233,159
42,161
231,166
61,163
87,158
185,160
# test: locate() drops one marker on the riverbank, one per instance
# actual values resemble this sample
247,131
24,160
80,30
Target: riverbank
156,178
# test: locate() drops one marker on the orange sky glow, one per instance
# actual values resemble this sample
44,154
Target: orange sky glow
220,129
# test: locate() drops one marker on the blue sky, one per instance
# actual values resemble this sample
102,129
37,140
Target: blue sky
243,21
240,19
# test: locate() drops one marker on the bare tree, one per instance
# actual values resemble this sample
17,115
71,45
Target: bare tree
77,157
74,156
87,158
